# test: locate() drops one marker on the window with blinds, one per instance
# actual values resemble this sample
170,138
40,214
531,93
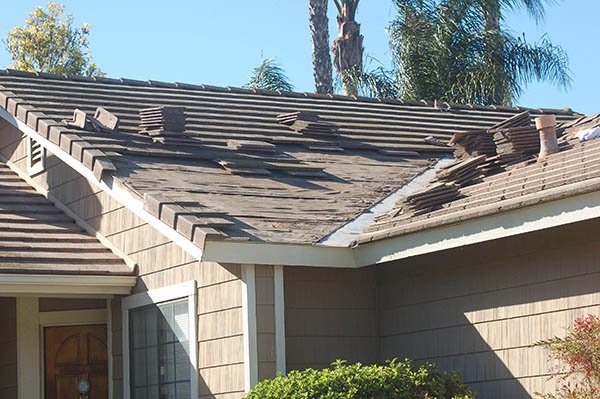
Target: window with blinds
160,351
36,156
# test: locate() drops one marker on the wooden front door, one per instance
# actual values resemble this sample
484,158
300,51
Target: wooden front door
76,353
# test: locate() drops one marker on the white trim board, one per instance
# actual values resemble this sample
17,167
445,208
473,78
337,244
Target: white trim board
249,326
178,291
109,185
280,366
60,285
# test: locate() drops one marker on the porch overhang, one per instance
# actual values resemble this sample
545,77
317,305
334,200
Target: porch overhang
65,285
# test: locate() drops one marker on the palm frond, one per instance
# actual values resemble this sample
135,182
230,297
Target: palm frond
269,76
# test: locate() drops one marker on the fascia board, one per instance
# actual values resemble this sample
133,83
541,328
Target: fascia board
279,254
519,221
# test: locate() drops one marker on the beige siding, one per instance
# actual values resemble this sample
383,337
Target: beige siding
329,314
478,309
8,351
160,263
220,331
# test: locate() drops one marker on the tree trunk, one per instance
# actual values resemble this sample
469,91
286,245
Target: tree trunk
347,48
491,16
319,29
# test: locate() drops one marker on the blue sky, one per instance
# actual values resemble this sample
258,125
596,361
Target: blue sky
220,42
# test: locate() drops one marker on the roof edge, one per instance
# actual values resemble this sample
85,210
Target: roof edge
582,204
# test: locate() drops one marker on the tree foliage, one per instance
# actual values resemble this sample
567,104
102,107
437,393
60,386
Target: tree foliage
443,50
578,354
48,42
269,76
396,380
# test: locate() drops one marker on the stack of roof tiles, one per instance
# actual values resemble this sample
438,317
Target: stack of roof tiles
162,121
473,143
429,198
307,123
516,137
462,172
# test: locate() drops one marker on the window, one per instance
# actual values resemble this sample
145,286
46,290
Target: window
159,348
36,157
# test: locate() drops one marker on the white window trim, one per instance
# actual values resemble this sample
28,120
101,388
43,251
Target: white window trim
184,290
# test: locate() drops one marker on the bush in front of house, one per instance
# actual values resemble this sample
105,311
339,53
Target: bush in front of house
578,355
395,380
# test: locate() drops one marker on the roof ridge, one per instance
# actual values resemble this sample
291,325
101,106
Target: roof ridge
281,93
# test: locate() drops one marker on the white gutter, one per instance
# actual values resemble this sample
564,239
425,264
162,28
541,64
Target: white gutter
109,185
343,236
59,284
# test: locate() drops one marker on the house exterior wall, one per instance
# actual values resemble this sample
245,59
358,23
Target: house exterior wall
8,353
478,309
330,314
160,263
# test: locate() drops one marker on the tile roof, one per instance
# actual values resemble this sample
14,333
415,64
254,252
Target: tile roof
36,237
574,170
237,172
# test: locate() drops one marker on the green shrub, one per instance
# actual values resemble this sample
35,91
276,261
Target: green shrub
396,380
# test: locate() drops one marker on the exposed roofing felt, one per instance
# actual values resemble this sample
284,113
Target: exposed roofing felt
36,237
574,170
239,172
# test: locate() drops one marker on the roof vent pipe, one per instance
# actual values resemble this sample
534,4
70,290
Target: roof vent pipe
546,125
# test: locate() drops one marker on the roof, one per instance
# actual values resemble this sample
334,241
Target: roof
38,238
573,171
206,186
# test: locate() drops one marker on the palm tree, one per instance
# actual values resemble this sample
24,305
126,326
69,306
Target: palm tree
347,48
446,50
269,76
319,29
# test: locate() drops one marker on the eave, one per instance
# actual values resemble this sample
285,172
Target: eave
65,285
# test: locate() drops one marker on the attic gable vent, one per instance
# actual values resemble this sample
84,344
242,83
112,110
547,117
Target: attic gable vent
36,157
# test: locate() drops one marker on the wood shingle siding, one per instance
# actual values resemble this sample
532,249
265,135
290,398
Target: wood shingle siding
478,309
329,314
